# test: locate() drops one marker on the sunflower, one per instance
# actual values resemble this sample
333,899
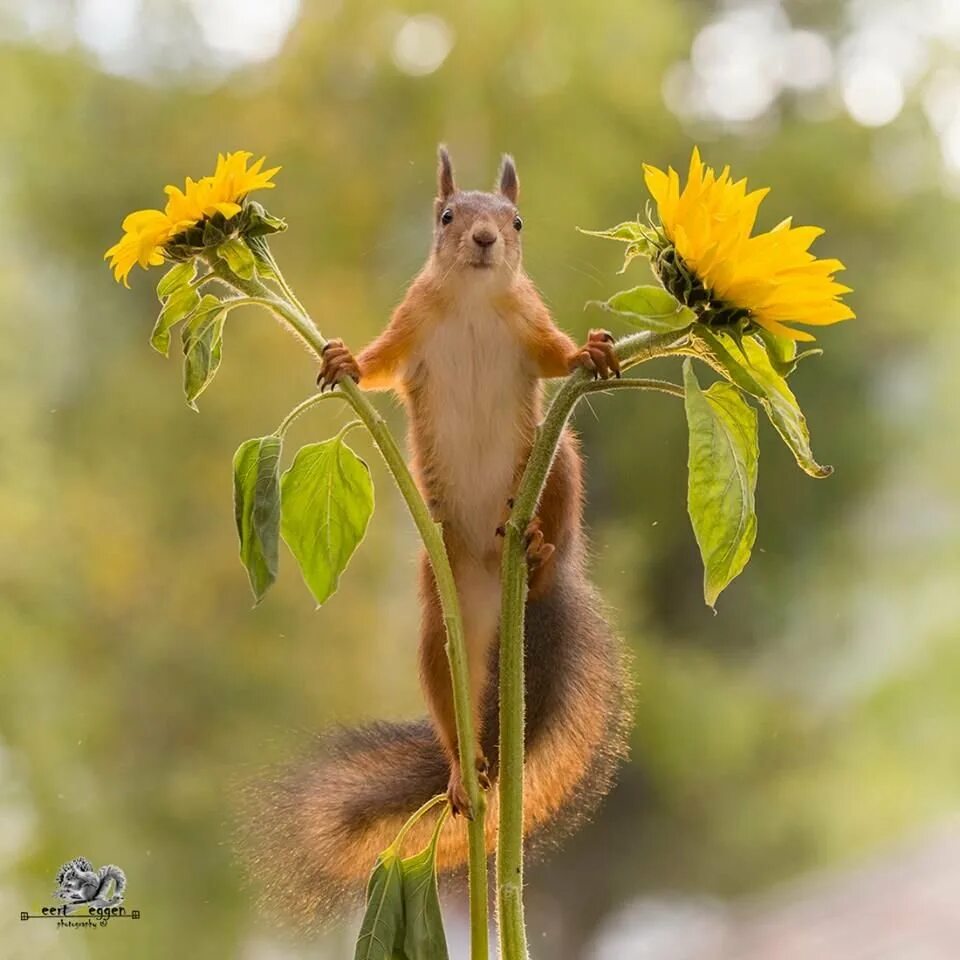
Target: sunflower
147,232
705,255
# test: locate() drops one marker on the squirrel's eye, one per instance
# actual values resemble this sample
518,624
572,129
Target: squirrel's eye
446,216
517,223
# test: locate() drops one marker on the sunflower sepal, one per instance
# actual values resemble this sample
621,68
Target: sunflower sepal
255,221
238,257
648,307
641,240
216,233
782,353
630,231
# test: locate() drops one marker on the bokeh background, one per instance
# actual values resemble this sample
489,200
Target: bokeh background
795,774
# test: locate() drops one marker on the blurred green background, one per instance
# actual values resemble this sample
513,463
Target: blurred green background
811,723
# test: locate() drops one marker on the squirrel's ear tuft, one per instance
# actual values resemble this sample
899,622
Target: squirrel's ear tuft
507,181
445,187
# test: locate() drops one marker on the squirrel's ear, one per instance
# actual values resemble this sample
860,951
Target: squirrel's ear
507,181
445,187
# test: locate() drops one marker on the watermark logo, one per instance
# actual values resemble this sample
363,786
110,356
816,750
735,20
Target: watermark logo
93,896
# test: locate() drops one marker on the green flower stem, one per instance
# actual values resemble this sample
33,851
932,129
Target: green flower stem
303,407
431,534
630,351
426,808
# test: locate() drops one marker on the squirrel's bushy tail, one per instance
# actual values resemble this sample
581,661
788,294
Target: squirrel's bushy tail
311,835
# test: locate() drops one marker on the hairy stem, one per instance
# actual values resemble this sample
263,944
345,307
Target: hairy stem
636,383
630,351
289,310
302,407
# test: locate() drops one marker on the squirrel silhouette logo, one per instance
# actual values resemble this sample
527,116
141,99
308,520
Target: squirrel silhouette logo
79,885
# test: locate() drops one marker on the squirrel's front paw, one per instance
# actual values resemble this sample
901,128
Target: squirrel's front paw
338,362
597,356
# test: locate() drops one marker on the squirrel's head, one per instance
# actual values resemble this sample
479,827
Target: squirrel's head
474,233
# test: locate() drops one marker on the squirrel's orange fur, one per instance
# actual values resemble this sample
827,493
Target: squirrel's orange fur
466,350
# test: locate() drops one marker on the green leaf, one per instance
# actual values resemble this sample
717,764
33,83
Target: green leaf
424,938
239,258
261,255
722,479
181,302
176,277
382,931
754,373
649,308
202,347
327,501
256,501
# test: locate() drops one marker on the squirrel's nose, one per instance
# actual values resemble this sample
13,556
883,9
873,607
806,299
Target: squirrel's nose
484,237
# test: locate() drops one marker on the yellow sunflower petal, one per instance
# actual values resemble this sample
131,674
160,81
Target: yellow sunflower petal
784,331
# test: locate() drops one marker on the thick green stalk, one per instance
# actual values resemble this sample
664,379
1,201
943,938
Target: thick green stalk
431,534
630,351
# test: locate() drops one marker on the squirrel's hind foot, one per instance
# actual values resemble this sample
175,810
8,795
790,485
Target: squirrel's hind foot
457,792
539,552
483,772
457,795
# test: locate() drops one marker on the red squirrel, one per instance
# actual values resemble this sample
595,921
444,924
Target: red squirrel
466,350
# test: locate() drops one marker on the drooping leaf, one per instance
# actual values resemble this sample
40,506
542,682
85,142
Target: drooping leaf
180,303
649,308
256,501
238,257
382,931
722,479
177,276
202,347
327,501
424,938
753,372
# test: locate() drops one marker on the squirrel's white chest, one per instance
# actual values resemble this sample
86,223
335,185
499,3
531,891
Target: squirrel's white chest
475,392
